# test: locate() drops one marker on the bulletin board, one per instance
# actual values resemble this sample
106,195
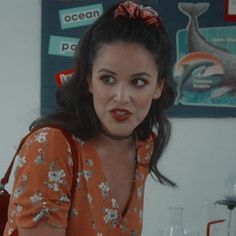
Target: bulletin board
203,40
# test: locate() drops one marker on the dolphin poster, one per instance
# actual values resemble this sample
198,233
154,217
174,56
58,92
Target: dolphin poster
205,68
203,46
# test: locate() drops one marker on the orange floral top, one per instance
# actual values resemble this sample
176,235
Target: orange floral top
43,181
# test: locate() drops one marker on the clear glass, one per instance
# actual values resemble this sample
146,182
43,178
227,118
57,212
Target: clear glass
230,188
175,227
191,232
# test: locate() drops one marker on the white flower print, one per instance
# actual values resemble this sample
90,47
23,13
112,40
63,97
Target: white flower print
40,157
68,148
78,180
110,215
41,214
78,140
54,186
36,198
21,161
105,189
73,212
41,137
93,224
147,157
139,212
87,174
70,160
99,234
56,176
24,178
18,191
140,192
12,212
64,198
123,227
19,208
28,142
114,203
44,213
10,230
89,162
139,175
149,148
89,199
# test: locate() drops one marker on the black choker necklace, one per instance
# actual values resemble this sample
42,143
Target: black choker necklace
109,135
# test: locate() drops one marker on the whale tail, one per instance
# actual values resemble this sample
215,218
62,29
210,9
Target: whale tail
193,10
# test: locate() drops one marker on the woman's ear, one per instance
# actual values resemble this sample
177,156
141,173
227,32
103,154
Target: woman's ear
158,90
90,86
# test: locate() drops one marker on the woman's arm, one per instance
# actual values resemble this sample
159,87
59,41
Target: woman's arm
42,228
41,192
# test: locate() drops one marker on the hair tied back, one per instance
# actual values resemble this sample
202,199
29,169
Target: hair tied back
133,10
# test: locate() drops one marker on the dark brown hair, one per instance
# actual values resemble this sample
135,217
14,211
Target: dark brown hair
75,110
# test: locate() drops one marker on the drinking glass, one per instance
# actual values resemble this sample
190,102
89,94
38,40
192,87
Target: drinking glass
191,232
175,227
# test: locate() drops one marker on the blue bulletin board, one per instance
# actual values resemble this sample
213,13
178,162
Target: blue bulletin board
203,45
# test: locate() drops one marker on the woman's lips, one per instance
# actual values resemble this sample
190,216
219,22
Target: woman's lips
120,114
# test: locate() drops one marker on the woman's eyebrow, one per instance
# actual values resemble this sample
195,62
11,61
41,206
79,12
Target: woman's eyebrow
133,75
141,74
107,71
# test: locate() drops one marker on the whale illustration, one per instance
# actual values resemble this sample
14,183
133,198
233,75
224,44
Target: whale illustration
198,43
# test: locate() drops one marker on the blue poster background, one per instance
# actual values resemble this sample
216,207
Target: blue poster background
59,40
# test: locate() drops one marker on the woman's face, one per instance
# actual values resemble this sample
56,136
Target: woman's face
123,84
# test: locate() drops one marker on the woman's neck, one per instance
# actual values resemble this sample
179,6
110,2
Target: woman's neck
119,138
114,148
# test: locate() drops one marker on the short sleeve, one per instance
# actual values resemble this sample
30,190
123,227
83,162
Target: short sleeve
43,180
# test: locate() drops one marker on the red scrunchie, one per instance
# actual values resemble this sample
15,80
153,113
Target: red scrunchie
135,11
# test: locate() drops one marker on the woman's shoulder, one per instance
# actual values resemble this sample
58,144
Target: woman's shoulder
42,133
52,134
46,140
50,142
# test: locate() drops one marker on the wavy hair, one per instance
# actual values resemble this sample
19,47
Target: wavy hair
75,111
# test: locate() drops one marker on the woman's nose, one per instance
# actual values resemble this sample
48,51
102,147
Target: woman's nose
122,94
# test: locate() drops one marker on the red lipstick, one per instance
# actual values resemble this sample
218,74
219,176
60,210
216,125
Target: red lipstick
120,114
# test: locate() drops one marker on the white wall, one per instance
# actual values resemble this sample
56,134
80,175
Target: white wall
20,32
200,156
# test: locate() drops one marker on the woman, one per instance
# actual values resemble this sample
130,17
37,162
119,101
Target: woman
116,97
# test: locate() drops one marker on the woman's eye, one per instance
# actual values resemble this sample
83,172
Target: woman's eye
139,82
108,79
